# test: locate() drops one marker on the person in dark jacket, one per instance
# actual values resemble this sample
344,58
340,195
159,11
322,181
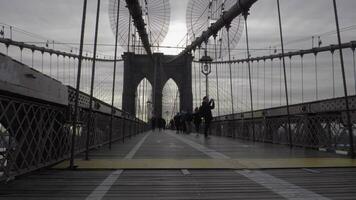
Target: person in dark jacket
177,122
153,123
197,120
205,111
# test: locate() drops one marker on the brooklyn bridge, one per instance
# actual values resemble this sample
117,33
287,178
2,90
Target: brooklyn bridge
103,99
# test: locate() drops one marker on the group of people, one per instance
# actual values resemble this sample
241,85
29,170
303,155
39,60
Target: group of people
158,122
182,121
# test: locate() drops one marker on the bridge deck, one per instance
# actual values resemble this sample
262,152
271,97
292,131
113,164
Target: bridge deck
170,166
168,150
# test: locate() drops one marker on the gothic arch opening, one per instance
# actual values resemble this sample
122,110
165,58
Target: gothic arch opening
170,100
143,100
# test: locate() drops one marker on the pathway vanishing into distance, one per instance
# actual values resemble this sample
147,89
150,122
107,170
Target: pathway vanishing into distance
166,165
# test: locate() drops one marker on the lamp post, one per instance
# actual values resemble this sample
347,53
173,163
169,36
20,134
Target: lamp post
206,69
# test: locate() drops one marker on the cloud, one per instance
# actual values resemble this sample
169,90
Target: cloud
60,20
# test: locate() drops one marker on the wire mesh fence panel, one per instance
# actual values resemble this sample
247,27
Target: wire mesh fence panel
317,125
32,135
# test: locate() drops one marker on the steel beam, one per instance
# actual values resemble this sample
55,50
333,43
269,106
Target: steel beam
9,42
136,14
315,50
225,19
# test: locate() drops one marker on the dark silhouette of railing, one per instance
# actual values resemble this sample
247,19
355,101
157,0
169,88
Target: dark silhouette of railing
320,125
36,132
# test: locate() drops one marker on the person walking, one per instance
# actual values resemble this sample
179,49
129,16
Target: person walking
205,110
177,122
153,123
197,120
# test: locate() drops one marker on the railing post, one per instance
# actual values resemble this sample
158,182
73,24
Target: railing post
285,76
90,121
349,123
227,26
75,115
245,14
114,75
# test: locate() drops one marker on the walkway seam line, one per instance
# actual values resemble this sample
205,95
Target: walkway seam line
100,191
279,186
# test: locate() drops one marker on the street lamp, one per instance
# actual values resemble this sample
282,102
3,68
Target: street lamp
206,69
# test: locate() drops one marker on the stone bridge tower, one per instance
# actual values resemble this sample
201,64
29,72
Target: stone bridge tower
157,70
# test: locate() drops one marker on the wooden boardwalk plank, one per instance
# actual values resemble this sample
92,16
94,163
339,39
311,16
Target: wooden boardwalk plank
158,148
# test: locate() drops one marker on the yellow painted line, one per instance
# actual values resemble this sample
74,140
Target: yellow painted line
210,163
298,162
152,164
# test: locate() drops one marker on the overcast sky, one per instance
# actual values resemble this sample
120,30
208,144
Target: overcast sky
60,20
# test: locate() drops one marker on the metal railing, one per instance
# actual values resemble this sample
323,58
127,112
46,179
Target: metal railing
319,125
36,132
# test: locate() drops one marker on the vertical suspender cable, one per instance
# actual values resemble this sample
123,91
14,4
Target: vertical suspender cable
349,123
333,71
264,84
50,64
316,76
74,72
302,74
195,83
114,75
290,79
285,76
280,81
235,65
251,71
229,52
242,86
90,121
69,72
199,76
238,87
354,65
75,114
247,88
216,75
258,84
64,70
245,13
271,82
42,62
57,75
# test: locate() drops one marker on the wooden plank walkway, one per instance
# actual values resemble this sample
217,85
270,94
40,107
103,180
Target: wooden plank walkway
168,150
169,166
173,184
